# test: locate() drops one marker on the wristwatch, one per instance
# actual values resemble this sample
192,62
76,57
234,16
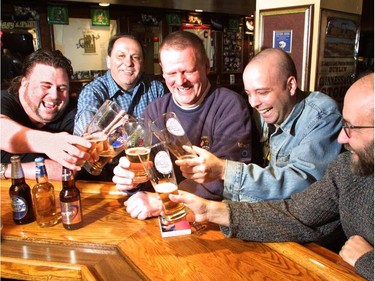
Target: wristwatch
3,169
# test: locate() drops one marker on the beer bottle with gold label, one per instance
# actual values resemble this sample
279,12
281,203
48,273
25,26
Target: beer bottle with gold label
44,196
70,202
20,195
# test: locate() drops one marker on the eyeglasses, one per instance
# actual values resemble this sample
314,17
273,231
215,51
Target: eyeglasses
348,127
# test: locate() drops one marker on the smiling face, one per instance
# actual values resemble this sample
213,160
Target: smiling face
185,76
359,111
126,62
268,91
44,93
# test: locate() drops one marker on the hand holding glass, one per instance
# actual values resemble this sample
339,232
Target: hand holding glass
106,131
139,141
167,128
160,171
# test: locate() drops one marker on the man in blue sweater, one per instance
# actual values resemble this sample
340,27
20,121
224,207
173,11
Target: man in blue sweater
216,118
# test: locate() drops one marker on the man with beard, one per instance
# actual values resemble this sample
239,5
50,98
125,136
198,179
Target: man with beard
36,117
344,196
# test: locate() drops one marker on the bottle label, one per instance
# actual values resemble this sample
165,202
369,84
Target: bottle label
70,212
19,207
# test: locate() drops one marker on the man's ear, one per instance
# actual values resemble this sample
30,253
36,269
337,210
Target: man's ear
292,85
108,60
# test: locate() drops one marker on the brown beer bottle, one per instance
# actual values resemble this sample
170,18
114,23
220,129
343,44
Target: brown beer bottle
44,196
70,202
20,195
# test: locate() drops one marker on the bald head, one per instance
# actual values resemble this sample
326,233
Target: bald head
276,59
359,100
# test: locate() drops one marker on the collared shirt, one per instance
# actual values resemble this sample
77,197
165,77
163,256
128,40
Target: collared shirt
96,92
299,152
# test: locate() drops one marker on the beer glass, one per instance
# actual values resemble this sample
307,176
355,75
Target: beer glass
167,128
138,143
107,133
160,171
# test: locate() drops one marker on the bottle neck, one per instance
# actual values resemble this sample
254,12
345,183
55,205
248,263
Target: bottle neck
41,173
16,170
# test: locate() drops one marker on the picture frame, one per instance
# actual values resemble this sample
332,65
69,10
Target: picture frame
99,17
293,27
57,15
337,54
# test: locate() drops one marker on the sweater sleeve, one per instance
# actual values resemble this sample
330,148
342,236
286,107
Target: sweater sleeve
365,265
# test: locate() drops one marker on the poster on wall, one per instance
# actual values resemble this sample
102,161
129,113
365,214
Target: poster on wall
338,51
282,39
100,17
84,44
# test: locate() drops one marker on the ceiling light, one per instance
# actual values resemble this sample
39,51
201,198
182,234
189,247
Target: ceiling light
104,4
199,11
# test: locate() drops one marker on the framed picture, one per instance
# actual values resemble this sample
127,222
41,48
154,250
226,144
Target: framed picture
282,39
100,17
57,15
289,29
338,52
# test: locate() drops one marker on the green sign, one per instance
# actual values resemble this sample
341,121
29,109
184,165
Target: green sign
100,17
57,15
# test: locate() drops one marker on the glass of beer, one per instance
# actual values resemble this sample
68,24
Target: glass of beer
167,128
138,143
159,168
107,134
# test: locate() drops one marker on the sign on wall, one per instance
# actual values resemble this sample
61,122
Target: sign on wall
338,51
84,44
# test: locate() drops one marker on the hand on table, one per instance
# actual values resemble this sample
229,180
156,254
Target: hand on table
354,248
143,205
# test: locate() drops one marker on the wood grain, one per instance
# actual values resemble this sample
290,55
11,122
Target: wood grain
114,246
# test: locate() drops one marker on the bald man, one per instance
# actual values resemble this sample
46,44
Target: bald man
343,197
298,130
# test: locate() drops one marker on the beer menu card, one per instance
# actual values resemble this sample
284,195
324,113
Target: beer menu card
177,229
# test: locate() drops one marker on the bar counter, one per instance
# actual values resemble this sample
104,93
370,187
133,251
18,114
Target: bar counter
113,246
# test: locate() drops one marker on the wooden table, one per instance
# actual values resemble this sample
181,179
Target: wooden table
114,246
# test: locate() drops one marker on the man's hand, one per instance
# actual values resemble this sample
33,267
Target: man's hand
354,248
205,168
68,150
143,205
123,177
202,210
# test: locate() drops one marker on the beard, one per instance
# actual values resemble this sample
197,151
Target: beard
364,165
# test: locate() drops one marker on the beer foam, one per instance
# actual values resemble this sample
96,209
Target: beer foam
165,187
134,151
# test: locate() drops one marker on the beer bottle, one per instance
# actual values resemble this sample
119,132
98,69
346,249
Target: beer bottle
70,202
19,193
44,196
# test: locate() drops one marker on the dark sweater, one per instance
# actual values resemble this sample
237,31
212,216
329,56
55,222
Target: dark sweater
340,197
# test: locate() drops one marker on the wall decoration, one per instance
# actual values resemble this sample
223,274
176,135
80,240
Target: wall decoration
338,52
57,15
282,39
296,22
100,17
173,19
232,49
84,44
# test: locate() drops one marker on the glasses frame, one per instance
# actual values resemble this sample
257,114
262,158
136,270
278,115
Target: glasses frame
346,127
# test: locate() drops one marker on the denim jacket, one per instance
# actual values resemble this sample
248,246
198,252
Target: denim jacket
300,150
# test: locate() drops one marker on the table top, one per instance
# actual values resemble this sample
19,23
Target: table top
113,246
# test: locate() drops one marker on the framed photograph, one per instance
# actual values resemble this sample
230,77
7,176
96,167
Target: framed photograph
290,30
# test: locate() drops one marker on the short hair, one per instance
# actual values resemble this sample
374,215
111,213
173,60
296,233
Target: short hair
52,58
114,38
183,39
